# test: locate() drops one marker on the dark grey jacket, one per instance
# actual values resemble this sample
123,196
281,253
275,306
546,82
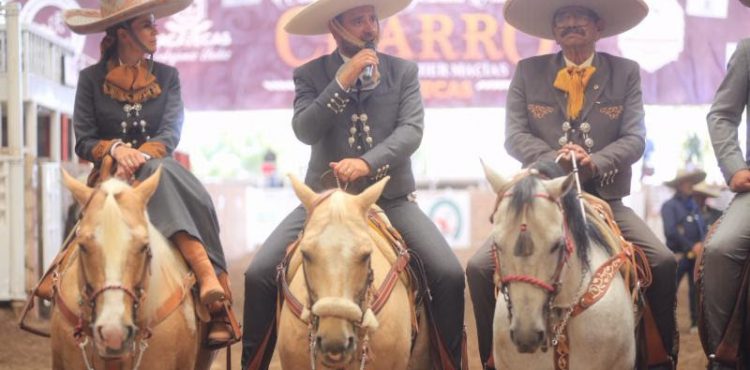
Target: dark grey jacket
613,106
726,113
98,116
395,113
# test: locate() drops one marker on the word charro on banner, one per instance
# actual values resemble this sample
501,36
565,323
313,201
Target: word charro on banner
234,54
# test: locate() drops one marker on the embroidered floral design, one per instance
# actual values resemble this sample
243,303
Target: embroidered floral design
539,111
612,112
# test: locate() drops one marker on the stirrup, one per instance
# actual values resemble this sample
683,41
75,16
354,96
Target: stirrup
228,322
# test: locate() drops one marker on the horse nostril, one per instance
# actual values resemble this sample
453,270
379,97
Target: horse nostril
513,335
350,344
540,335
130,332
319,341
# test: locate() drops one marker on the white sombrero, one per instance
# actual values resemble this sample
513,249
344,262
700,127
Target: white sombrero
112,12
707,190
313,19
534,17
693,177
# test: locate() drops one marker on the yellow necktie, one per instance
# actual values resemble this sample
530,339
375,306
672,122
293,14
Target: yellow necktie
573,81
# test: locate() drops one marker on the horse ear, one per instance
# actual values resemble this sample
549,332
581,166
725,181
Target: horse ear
146,188
496,181
558,186
306,195
80,191
371,195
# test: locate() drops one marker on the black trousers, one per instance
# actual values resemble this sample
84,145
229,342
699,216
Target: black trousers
444,274
661,294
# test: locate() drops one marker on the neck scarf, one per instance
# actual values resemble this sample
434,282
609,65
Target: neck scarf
131,84
573,81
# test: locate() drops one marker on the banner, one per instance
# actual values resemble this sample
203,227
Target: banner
234,54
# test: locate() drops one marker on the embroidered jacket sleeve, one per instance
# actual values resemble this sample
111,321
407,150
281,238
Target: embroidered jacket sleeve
520,142
168,134
726,112
406,137
631,142
315,113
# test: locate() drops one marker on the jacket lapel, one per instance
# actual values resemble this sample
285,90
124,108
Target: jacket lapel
555,64
332,64
596,85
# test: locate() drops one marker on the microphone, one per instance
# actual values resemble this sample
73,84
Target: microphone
367,72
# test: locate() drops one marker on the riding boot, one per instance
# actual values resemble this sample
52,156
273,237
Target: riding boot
195,255
223,330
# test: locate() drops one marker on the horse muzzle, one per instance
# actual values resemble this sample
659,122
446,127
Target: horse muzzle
335,353
112,341
527,341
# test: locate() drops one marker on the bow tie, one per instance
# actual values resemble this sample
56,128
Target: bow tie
573,81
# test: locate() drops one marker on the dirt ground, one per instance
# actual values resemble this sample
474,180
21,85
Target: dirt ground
20,350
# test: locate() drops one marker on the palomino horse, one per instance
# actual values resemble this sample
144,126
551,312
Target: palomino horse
560,283
122,299
334,316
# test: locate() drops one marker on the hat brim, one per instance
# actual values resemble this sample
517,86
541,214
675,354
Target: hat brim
703,188
691,177
313,19
534,17
85,21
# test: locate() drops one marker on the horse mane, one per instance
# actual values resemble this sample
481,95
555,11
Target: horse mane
167,266
583,233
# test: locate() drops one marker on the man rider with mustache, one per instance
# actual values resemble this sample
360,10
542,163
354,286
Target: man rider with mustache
584,104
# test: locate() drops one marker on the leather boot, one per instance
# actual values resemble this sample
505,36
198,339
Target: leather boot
223,329
195,255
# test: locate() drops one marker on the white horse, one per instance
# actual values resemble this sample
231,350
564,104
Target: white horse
553,276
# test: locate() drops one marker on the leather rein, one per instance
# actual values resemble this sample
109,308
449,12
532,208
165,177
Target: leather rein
374,301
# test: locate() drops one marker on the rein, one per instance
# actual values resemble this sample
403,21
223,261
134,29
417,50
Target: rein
375,299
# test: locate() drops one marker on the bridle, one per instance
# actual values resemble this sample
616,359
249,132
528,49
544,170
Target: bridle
552,288
361,314
87,304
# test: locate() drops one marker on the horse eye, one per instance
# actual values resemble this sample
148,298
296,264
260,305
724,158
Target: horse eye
83,249
557,246
306,256
365,258
145,248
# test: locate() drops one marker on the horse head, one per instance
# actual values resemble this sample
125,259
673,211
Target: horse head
532,243
113,256
336,247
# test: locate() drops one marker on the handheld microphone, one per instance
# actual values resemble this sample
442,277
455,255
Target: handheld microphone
367,72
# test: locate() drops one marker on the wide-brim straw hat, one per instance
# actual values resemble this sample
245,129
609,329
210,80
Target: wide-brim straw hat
112,12
313,19
534,17
706,190
683,175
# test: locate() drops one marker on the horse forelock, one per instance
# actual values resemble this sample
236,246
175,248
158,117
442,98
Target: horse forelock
336,231
521,204
119,221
